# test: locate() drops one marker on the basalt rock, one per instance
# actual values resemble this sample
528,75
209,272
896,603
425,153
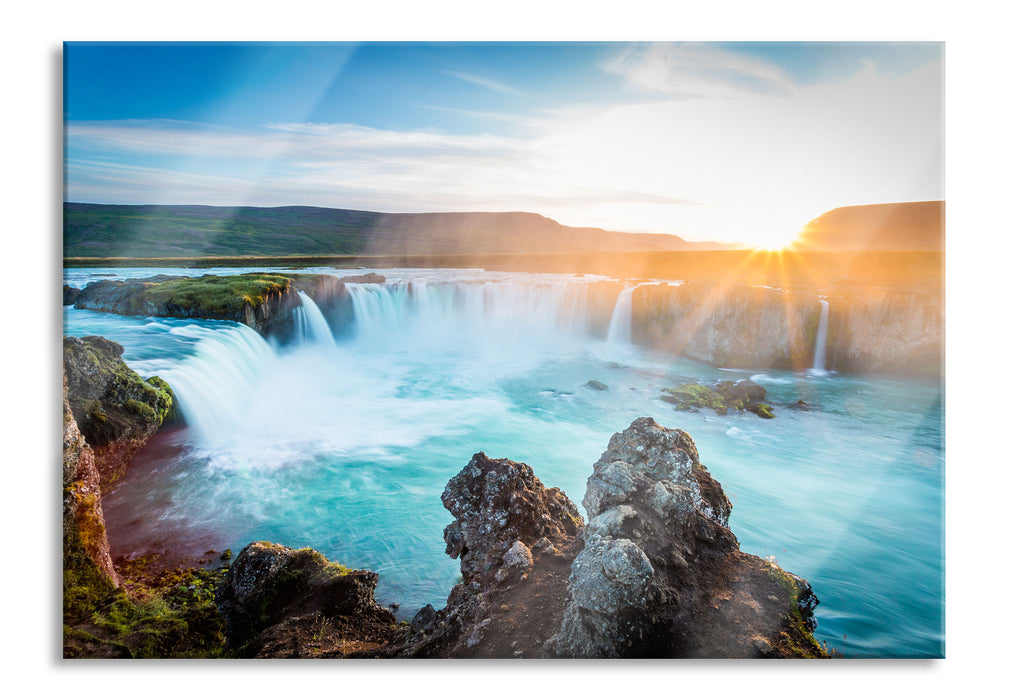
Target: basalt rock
661,574
283,603
115,409
515,540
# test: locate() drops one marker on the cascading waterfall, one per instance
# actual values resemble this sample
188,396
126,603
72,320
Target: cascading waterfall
214,384
438,310
310,325
820,354
619,332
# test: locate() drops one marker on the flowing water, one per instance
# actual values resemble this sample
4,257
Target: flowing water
346,444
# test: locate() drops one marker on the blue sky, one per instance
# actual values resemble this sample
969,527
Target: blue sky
727,141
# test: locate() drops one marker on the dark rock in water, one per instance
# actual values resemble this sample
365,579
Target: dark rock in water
661,575
746,391
283,603
70,295
596,384
116,410
744,395
801,405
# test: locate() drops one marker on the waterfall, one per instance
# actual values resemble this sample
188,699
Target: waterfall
213,385
619,332
310,325
820,355
464,310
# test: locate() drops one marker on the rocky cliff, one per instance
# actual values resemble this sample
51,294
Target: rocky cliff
736,325
262,301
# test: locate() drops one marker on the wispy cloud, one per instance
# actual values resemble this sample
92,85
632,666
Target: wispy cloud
697,70
484,82
736,161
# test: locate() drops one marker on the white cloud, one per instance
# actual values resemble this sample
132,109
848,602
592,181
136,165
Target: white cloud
484,82
697,70
729,166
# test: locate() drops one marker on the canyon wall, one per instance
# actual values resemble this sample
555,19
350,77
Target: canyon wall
736,325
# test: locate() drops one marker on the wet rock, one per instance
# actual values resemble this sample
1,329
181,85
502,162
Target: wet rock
596,384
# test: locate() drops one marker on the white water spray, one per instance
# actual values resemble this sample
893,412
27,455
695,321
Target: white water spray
820,354
214,385
619,332
310,325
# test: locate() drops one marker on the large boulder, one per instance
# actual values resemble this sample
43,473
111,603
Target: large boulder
116,410
661,574
514,539
280,602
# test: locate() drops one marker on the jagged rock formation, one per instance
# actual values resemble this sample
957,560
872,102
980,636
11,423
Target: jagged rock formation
654,572
514,539
284,603
661,574
115,409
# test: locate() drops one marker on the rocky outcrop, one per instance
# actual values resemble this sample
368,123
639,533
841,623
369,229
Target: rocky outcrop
116,410
284,603
738,325
515,540
654,572
661,574
88,573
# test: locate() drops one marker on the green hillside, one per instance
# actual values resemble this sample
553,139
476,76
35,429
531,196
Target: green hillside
143,231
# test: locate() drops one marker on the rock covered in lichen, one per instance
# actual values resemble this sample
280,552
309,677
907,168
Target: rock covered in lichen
661,575
280,602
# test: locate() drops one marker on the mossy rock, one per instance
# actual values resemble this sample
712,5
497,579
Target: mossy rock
724,397
109,401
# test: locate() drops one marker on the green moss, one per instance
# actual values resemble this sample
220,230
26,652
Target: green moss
215,295
763,410
799,636
175,617
85,586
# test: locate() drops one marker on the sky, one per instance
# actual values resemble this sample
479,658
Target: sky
741,142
